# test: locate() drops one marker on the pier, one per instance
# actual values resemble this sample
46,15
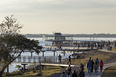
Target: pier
42,61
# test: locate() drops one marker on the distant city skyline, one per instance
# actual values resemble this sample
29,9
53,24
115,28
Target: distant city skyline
65,16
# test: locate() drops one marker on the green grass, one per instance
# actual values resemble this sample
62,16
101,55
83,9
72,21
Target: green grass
110,72
47,71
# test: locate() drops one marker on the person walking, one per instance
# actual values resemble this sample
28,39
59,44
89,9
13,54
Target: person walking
63,74
81,73
96,67
69,60
101,65
68,69
97,61
89,66
92,65
68,75
81,67
59,58
74,74
90,58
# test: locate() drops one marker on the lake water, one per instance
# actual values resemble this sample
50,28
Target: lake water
50,53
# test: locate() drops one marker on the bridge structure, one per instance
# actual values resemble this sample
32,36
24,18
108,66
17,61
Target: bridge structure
65,49
50,60
42,61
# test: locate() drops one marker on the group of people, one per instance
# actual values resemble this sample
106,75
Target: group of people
91,65
73,73
94,65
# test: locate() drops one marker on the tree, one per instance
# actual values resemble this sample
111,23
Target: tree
12,44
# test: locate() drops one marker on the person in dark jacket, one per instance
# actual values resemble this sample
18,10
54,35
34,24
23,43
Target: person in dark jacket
69,60
68,69
81,73
63,75
89,66
92,65
82,66
74,74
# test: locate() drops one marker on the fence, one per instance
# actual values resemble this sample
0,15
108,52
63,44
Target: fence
37,59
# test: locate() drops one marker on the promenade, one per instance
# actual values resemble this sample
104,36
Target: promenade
105,66
92,74
99,73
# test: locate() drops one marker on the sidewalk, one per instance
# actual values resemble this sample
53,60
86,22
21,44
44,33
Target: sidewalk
99,73
105,50
105,66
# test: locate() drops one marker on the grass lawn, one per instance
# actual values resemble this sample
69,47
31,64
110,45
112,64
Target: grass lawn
100,55
114,49
110,72
47,70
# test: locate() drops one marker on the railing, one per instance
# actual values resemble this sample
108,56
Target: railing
37,59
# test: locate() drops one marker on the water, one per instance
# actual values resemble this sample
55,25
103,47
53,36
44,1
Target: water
50,53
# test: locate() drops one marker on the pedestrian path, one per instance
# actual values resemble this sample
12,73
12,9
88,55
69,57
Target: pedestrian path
105,66
92,74
105,50
99,73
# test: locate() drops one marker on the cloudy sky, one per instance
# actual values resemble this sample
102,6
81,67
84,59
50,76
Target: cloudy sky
65,16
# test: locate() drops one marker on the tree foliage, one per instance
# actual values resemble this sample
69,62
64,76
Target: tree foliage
13,44
10,26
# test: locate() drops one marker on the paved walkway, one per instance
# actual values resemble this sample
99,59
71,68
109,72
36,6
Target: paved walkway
105,50
105,66
99,73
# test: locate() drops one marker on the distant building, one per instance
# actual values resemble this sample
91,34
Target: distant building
58,38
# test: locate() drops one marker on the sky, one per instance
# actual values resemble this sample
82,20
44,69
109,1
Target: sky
65,16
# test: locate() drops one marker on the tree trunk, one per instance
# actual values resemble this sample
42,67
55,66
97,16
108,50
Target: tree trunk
2,71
